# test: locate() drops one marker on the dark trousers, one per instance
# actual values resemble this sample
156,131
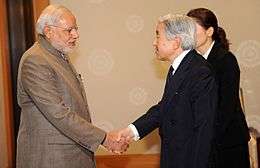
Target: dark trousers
232,157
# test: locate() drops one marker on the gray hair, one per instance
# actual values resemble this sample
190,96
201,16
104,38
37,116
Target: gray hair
50,16
180,26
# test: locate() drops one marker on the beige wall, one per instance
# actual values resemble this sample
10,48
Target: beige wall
115,56
3,144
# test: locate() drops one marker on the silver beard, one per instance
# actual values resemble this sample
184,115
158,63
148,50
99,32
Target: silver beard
61,48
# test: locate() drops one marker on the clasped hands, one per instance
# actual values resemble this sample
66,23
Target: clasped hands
118,141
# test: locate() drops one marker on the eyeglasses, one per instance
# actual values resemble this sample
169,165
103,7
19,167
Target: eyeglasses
69,30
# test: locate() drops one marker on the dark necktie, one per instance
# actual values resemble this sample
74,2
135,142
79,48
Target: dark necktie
170,72
169,76
168,82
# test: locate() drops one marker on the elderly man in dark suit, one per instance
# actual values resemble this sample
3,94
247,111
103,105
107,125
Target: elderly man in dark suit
186,112
55,129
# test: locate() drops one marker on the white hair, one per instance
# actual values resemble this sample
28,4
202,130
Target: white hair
50,16
180,26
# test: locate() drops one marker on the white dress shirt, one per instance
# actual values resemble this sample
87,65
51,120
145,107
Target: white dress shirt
206,55
175,66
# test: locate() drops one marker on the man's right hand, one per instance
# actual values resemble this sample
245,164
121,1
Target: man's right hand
115,142
118,141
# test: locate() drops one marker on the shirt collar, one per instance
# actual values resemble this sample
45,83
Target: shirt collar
206,55
178,60
47,45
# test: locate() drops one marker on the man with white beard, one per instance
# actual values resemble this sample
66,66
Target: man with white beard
55,128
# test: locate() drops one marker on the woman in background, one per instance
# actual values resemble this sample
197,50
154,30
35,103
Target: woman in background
230,147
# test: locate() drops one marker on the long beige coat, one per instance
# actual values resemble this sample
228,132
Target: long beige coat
55,129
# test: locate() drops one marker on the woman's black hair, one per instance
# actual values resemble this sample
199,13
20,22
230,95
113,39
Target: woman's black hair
206,18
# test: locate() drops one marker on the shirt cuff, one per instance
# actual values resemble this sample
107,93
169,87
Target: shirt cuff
136,134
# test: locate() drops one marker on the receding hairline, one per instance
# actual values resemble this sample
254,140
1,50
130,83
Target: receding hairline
51,15
55,10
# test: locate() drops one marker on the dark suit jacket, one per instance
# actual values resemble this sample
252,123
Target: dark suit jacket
185,115
231,124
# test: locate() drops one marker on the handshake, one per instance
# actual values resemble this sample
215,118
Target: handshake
118,141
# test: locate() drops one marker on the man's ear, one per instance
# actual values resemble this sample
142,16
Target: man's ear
47,31
210,31
177,43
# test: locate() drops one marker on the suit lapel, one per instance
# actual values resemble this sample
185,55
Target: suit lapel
61,67
178,77
214,53
79,80
62,64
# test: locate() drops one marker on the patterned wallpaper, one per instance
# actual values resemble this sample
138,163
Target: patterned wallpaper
115,56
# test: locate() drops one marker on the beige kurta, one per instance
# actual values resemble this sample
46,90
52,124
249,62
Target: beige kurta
55,129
